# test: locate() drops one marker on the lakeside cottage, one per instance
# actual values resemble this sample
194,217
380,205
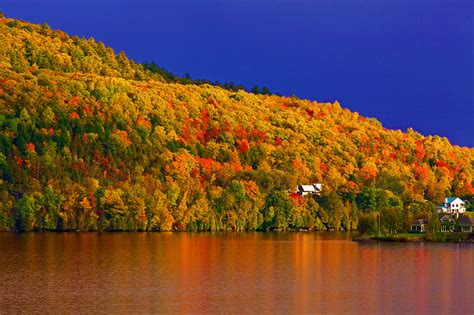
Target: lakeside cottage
464,224
447,223
450,223
419,225
452,205
314,189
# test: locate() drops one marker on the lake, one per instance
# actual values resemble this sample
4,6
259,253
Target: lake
231,273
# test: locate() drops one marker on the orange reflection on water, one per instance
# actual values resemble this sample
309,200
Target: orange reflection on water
231,273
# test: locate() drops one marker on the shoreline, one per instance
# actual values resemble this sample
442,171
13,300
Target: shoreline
394,238
176,231
417,238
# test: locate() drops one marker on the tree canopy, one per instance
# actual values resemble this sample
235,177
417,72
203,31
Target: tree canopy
91,140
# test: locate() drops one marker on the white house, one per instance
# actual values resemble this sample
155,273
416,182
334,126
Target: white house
313,189
452,205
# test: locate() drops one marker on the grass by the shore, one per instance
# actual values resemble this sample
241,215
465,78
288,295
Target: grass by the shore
418,237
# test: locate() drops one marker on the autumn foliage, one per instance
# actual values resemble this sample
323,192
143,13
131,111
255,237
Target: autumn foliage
92,141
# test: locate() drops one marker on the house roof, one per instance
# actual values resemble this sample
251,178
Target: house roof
464,220
310,188
451,199
420,222
447,217
307,188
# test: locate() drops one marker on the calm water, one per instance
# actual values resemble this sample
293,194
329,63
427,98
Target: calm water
231,273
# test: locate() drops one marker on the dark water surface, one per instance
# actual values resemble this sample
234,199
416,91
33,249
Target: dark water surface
231,273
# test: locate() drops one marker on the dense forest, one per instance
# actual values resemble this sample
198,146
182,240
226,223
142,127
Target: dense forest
91,140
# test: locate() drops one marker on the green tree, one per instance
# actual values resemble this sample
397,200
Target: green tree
368,224
25,210
50,202
277,209
255,89
265,91
332,203
391,219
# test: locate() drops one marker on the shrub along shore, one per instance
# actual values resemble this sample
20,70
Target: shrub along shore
417,237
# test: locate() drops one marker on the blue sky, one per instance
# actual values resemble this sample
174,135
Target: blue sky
408,63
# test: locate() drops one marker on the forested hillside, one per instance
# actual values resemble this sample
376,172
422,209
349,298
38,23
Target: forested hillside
93,141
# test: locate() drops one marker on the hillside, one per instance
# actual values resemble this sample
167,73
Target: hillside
92,141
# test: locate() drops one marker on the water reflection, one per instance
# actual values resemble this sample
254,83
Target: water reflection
231,273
